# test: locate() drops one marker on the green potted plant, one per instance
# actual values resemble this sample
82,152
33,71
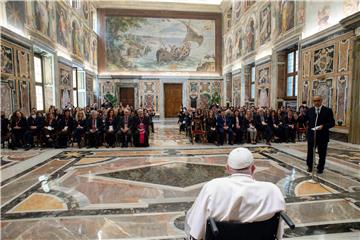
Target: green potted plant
111,98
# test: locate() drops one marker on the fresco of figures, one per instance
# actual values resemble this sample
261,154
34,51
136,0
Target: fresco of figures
265,24
170,44
286,15
15,13
63,27
57,21
250,35
77,38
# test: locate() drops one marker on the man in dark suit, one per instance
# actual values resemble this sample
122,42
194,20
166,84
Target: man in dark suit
94,129
125,127
224,125
320,119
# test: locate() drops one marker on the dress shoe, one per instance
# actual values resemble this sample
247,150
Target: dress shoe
309,169
319,171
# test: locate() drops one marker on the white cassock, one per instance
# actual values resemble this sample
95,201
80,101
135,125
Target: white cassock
238,197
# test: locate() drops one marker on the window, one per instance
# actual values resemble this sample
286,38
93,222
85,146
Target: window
252,85
75,4
79,88
39,82
292,73
74,84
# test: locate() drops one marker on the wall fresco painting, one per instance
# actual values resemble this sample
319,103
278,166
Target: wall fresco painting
43,17
15,13
168,45
250,35
63,27
286,16
265,24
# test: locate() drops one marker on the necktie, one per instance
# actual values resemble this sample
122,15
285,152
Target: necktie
94,127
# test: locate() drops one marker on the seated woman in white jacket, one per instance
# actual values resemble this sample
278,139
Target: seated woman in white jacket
238,197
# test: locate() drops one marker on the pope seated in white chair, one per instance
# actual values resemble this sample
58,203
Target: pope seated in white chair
238,197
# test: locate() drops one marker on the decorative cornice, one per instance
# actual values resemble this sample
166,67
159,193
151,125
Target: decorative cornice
352,21
326,34
9,35
263,60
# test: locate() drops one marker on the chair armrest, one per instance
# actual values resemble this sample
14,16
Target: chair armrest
213,227
287,219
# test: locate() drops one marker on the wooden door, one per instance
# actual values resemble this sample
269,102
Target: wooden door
172,99
127,96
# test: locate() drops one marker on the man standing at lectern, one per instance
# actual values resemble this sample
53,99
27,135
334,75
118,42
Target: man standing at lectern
320,119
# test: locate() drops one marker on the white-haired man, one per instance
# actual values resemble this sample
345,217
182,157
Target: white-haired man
238,197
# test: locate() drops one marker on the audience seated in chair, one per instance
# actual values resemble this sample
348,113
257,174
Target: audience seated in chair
18,126
224,127
5,133
64,129
238,197
125,128
94,129
110,128
79,127
141,130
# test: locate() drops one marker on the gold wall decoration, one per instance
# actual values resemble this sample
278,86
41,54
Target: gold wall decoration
326,71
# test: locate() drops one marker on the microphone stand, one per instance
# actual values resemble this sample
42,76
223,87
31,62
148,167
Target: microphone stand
312,180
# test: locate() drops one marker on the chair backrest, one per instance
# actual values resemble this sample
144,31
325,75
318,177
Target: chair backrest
264,230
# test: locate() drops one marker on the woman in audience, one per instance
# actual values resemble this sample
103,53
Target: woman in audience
238,125
250,126
210,123
48,131
275,125
110,128
80,127
18,127
289,127
65,129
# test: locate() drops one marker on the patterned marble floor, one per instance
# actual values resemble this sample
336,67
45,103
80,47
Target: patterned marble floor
144,193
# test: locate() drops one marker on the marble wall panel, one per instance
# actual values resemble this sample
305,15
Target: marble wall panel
201,92
149,94
23,58
324,89
344,51
324,60
229,88
65,82
25,97
306,64
8,96
263,84
89,89
326,70
7,59
236,79
342,85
